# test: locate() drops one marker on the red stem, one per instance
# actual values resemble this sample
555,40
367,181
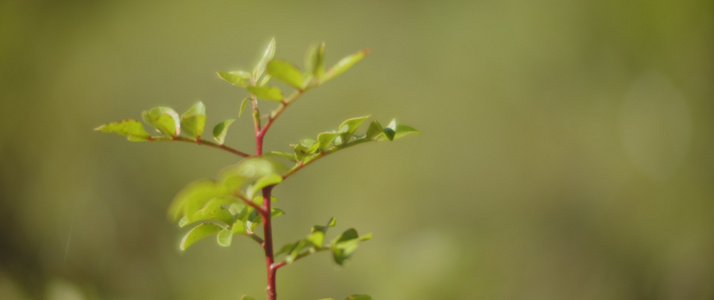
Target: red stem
268,244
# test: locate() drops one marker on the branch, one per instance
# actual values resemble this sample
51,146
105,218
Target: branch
283,105
276,266
251,204
200,142
315,157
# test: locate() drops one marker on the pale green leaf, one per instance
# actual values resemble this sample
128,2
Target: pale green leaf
193,120
237,78
132,129
200,231
215,209
395,131
220,131
243,105
164,119
342,65
224,237
285,72
349,126
375,129
247,298
267,56
266,92
326,138
314,65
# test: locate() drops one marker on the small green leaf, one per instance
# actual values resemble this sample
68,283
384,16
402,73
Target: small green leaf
285,72
315,238
220,131
266,92
224,237
276,212
237,78
343,65
265,80
326,138
242,106
375,129
193,120
132,129
359,297
349,126
267,56
164,119
313,63
395,131
247,298
271,179
200,231
305,148
345,244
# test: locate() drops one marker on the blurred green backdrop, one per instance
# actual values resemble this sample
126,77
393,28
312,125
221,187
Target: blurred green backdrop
566,148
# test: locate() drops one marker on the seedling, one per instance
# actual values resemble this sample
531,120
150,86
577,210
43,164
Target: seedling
240,198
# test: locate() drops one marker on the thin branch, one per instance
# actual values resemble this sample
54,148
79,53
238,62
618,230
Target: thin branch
299,256
283,105
321,155
251,204
200,142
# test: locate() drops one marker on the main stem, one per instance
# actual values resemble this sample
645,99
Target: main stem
267,243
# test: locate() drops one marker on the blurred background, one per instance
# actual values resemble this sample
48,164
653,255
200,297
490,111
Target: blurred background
565,149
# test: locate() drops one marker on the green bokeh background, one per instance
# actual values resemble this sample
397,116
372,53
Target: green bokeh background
565,149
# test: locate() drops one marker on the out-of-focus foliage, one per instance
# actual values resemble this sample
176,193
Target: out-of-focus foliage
566,147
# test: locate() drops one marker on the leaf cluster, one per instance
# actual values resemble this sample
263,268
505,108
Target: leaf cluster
239,199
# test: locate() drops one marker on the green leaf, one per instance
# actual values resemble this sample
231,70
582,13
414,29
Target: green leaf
194,196
132,129
349,126
224,237
215,209
316,238
359,297
220,131
237,78
345,244
375,129
193,120
253,168
314,65
325,138
343,65
264,81
247,298
305,148
271,179
395,131
266,92
276,212
200,231
285,72
164,119
242,106
267,56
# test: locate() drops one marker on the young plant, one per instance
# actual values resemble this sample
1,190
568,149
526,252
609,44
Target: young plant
241,197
